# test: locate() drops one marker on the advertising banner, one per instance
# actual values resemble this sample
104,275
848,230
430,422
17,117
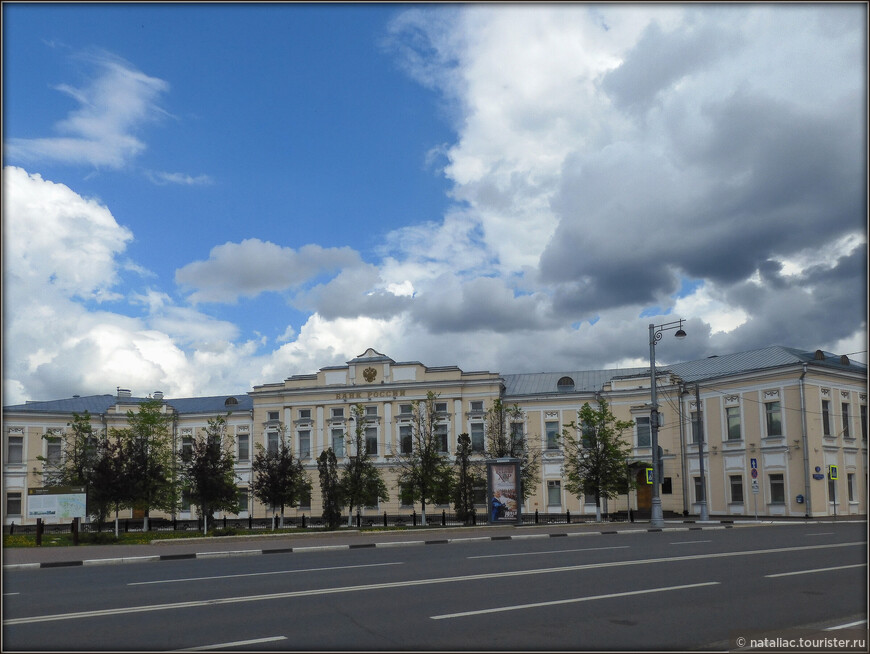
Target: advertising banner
503,484
56,504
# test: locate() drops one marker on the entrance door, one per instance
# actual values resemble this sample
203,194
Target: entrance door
644,494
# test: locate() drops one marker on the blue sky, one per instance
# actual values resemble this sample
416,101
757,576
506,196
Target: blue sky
199,198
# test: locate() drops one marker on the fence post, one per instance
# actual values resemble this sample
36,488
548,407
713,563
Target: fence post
568,516
474,518
414,517
74,528
443,517
126,526
303,521
536,516
174,524
38,532
251,520
358,519
225,522
12,528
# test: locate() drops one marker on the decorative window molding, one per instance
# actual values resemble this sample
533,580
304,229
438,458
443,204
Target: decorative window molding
16,430
732,399
771,394
844,394
825,391
242,428
187,431
551,414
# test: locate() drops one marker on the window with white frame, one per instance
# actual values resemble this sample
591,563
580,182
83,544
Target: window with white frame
554,492
777,488
15,450
441,437
274,415
242,495
305,414
372,441
699,489
337,412
13,504
850,486
642,432
405,441
186,446
405,496
478,493
477,405
441,407
773,414
338,443
305,499
552,430
477,437
371,411
845,410
516,434
587,435
244,442
732,416
864,422
406,409
826,418
185,501
696,428
736,484
304,443
272,442
52,450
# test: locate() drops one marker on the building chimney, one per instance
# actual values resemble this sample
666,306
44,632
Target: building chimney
124,392
158,395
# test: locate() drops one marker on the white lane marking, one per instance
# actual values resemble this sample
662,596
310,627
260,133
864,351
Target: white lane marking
406,584
535,605
257,574
584,549
689,542
8,594
237,643
824,533
806,572
847,625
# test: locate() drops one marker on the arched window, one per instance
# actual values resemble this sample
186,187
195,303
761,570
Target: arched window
566,384
230,401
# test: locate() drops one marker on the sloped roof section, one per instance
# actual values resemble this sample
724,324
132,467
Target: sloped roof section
94,404
97,404
585,381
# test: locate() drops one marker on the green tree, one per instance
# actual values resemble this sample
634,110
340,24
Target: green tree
207,471
361,481
279,478
147,443
506,437
109,486
330,488
72,457
469,474
596,455
425,473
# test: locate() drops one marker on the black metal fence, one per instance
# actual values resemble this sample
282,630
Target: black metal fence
434,518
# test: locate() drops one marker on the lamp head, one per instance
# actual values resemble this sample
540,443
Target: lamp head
680,334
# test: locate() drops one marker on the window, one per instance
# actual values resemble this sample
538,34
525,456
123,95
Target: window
304,443
242,496
477,405
774,419
371,411
554,492
699,489
696,428
832,490
406,409
185,501
441,437
372,441
642,432
338,412
305,500
477,438
15,450
826,417
52,451
850,486
274,415
272,442
405,495
186,446
338,443
732,415
587,435
552,429
864,422
565,385
736,483
305,414
244,447
516,435
441,407
777,489
405,439
667,486
478,493
845,407
13,504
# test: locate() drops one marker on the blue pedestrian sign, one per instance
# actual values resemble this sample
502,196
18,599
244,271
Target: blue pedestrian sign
753,463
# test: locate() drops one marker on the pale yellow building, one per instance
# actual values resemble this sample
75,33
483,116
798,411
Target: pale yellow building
785,414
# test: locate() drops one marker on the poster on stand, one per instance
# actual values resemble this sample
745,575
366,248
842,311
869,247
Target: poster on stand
504,492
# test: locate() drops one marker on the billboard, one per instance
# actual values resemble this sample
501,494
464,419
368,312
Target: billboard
504,492
58,503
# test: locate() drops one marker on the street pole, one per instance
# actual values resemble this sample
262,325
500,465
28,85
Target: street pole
702,500
655,334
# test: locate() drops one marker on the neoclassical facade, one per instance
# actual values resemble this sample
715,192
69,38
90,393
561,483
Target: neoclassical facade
773,422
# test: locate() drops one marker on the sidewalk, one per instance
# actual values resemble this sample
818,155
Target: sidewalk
25,558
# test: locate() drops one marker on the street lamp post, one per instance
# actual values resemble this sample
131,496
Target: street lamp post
655,335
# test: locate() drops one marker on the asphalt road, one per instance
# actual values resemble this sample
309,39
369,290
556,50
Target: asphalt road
669,590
